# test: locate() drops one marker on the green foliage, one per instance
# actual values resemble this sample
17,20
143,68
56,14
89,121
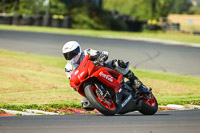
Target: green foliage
85,18
180,6
195,9
153,9
89,17
84,15
57,7
32,7
28,7
140,9
8,6
119,5
18,114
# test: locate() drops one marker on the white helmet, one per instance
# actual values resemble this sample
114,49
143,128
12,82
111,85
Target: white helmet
71,49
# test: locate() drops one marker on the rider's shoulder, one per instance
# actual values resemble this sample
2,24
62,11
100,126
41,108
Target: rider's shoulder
90,51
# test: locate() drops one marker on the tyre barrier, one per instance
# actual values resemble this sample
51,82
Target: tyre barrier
56,23
26,20
46,21
16,19
131,23
6,20
37,20
67,22
196,33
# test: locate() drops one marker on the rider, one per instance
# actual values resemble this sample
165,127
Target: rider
74,55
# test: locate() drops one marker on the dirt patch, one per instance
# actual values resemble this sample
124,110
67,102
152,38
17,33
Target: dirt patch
69,110
165,109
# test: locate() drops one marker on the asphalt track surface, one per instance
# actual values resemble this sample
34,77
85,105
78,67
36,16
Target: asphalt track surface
144,55
183,60
161,122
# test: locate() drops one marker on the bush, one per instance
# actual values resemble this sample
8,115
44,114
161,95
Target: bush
82,19
89,17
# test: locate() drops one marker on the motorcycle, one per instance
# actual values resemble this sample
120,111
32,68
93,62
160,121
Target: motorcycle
107,91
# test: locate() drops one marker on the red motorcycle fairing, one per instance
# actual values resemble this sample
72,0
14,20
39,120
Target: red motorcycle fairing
87,70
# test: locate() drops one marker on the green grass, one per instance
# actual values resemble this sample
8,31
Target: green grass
172,36
30,79
39,82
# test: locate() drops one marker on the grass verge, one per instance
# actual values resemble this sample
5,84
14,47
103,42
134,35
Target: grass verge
172,36
39,82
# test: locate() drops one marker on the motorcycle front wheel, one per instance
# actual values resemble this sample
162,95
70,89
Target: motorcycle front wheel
104,105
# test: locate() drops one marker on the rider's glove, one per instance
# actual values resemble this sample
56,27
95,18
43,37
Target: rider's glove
103,56
95,56
105,53
68,70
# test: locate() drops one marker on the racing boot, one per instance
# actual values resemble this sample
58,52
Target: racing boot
86,104
122,67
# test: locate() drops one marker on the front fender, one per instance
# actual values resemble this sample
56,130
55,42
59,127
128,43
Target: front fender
85,83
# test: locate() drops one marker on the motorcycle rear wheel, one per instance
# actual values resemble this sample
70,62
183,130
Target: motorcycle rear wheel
106,108
149,105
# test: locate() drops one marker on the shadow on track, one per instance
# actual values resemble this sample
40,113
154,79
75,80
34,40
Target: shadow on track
133,114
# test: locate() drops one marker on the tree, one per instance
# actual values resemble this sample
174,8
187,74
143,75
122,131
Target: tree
9,6
58,7
119,5
151,9
140,9
195,8
180,6
32,7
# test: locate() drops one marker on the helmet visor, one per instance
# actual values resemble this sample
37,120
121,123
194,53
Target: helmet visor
71,54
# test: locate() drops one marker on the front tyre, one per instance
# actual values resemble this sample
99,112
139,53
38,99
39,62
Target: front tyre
149,105
104,105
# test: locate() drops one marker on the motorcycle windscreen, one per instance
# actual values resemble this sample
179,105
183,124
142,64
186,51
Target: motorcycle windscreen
80,73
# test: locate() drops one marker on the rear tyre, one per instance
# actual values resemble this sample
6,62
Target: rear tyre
104,105
149,105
